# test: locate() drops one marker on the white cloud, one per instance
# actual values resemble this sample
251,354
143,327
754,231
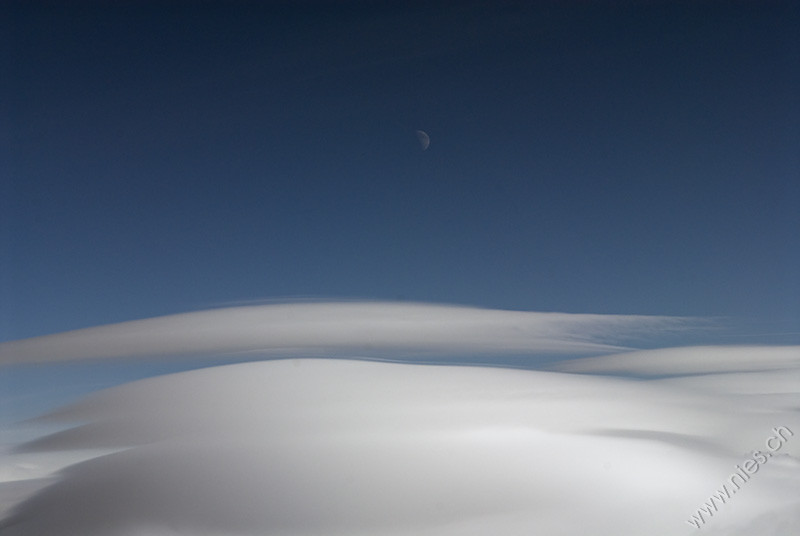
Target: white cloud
342,328
327,447
690,360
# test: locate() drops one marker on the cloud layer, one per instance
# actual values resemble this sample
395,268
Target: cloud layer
326,447
320,447
342,328
690,360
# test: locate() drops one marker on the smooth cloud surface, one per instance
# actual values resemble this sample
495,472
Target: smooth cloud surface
331,447
319,447
377,328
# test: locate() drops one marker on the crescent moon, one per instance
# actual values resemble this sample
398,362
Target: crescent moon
424,139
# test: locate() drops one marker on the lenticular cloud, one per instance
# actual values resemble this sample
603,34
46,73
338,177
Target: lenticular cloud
318,447
342,328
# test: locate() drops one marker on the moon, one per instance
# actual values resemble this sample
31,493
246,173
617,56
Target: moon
424,139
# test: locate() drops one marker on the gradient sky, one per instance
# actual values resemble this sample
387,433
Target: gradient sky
604,157
586,157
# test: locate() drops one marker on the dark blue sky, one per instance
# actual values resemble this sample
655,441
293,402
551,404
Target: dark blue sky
599,157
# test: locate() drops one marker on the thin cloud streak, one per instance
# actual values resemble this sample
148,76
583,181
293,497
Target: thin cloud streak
689,360
340,328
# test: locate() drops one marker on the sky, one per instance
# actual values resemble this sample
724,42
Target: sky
605,213
585,157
